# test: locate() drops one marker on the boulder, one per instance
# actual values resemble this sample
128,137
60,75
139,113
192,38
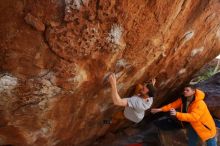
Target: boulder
212,90
55,57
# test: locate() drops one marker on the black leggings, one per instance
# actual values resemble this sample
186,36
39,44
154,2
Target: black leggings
168,123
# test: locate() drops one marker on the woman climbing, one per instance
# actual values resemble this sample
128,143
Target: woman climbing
136,105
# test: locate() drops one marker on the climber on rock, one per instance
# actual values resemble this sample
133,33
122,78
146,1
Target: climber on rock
136,105
194,115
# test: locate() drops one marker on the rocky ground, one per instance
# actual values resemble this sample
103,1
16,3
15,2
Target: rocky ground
148,135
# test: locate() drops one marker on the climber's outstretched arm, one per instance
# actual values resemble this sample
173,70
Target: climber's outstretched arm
117,100
174,105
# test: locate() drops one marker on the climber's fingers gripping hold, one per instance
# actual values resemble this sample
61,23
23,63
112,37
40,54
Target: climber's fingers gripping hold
153,81
112,79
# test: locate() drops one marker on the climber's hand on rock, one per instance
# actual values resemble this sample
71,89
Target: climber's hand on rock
112,79
156,110
153,81
173,112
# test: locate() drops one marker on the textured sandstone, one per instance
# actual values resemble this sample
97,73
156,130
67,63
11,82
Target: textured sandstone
37,24
55,56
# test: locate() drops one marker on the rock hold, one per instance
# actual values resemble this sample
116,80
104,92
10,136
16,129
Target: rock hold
34,22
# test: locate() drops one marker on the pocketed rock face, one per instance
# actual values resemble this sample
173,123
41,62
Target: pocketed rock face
56,54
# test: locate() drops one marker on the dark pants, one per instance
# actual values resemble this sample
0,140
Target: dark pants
167,123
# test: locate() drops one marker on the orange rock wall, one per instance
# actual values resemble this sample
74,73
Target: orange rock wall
56,54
